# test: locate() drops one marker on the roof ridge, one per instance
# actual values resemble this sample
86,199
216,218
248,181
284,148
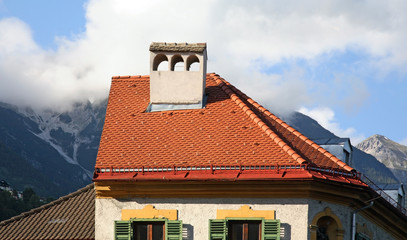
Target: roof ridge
48,205
305,139
225,87
130,76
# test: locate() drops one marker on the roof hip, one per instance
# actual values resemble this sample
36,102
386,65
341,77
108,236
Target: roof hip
225,87
234,94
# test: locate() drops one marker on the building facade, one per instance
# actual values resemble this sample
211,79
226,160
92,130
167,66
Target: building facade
186,155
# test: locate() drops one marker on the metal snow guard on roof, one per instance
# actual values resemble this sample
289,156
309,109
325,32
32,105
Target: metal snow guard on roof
199,168
261,169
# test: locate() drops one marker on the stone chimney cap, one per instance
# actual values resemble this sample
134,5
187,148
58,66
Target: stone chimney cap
178,47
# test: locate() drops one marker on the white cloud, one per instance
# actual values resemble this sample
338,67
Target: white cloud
240,35
326,118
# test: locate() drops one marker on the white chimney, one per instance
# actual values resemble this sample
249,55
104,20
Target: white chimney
180,85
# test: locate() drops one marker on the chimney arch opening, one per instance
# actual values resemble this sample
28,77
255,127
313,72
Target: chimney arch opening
160,63
193,63
177,63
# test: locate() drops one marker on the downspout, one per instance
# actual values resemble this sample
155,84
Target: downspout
354,218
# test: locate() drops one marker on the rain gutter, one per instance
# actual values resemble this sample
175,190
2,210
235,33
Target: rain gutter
354,218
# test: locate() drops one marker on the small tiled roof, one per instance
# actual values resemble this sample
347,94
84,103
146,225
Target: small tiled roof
178,47
69,217
231,130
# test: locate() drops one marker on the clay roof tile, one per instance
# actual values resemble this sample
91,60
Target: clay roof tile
62,214
218,134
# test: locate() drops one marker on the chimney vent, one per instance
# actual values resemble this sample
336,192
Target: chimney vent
177,76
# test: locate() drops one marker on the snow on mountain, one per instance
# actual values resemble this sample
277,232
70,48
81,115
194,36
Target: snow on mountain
61,146
64,131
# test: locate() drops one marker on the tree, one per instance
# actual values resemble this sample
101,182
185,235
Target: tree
27,193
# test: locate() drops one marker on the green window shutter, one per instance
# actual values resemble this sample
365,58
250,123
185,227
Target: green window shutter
217,229
173,230
123,230
271,229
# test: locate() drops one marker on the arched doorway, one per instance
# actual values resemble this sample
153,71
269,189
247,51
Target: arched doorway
326,226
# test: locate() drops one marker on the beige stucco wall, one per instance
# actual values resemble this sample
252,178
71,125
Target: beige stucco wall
377,232
177,87
342,212
293,213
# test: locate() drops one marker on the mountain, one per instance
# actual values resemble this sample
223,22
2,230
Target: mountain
53,153
388,152
307,126
363,162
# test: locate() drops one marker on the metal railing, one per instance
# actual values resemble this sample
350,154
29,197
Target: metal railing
383,194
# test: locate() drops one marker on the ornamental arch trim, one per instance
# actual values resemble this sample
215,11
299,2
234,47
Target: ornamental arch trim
158,59
334,225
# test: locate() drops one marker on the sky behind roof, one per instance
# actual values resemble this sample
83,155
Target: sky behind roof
341,62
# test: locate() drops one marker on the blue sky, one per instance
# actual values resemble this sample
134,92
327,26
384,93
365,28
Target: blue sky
47,18
341,62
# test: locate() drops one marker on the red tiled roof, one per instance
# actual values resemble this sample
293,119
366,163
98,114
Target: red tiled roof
231,130
69,217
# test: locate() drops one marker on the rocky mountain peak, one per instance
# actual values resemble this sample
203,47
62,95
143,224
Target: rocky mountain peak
393,155
390,153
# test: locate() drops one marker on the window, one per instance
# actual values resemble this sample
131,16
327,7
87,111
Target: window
177,63
244,229
193,63
160,63
148,229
